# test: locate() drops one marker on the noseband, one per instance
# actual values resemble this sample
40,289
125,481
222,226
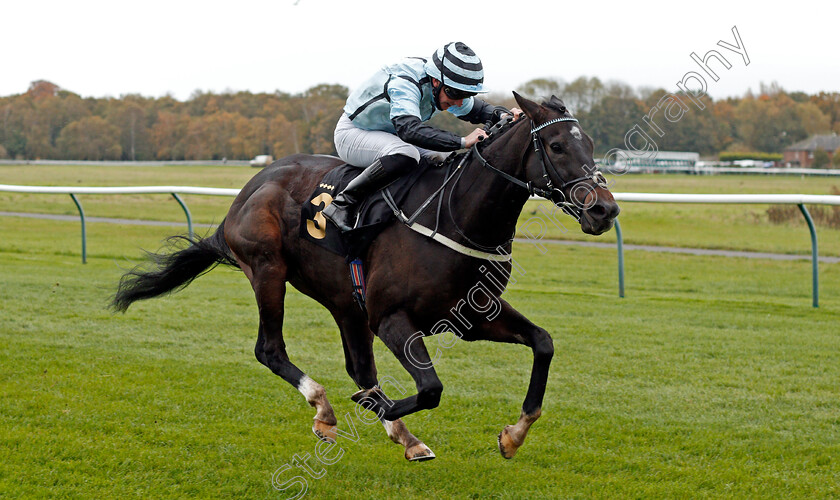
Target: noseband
549,190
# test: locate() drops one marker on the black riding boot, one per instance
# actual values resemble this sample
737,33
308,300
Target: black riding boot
384,171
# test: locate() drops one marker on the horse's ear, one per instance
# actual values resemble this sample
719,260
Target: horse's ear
558,103
531,109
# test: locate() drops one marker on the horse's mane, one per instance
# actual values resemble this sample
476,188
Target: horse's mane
554,103
496,135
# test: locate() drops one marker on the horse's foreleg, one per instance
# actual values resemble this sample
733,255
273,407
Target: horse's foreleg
270,288
511,327
396,332
357,340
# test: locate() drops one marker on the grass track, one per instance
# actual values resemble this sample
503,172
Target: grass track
713,378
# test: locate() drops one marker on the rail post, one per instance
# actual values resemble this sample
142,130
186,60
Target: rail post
815,277
186,211
620,245
84,232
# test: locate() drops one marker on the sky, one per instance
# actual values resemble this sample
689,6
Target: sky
177,47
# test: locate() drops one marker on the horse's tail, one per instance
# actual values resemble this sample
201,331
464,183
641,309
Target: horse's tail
174,270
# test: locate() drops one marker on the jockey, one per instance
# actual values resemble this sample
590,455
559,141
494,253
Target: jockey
382,125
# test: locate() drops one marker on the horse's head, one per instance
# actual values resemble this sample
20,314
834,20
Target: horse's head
560,164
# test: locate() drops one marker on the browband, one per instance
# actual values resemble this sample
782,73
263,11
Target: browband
550,122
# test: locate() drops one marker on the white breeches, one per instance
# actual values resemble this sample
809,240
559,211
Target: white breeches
362,147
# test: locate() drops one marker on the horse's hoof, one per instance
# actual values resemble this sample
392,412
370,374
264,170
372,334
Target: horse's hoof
376,401
324,431
507,446
419,453
359,395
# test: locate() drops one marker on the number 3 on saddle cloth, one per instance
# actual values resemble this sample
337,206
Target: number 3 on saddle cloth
374,215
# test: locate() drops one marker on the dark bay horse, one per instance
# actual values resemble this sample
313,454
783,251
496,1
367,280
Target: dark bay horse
414,284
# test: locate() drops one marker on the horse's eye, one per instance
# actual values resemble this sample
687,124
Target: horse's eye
557,148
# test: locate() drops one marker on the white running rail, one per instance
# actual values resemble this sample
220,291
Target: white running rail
787,199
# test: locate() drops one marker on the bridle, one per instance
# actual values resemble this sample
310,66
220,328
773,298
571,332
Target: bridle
549,192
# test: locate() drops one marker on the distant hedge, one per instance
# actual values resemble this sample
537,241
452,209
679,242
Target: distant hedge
755,155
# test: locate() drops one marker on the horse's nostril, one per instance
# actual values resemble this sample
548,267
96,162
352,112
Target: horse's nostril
597,211
604,210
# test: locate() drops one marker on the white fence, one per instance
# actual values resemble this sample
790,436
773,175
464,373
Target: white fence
783,199
716,170
763,199
787,199
119,190
73,191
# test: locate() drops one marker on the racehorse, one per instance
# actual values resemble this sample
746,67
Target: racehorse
414,284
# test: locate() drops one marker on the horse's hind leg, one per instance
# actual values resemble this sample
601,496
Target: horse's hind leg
415,450
357,340
269,283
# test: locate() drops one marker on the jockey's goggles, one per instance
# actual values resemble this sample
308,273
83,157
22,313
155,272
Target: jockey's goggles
456,94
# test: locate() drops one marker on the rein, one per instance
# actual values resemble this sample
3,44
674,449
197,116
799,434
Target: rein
548,192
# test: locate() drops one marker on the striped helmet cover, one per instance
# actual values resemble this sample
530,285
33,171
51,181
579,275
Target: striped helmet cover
461,68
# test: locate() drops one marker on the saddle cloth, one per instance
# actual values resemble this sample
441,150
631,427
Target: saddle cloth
374,213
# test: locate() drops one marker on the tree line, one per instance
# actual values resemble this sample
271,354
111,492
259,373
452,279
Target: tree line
766,122
47,122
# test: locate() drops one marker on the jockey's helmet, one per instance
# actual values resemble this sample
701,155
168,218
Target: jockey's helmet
456,66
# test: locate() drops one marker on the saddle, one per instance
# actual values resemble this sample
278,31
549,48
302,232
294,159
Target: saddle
374,213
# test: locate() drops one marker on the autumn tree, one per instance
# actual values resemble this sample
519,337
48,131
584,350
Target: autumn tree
813,120
130,116
610,119
197,143
768,123
283,136
41,89
250,137
723,113
829,105
320,108
168,135
91,138
820,159
13,136
36,127
677,123
541,88
582,94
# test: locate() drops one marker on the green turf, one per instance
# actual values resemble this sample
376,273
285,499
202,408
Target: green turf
713,378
